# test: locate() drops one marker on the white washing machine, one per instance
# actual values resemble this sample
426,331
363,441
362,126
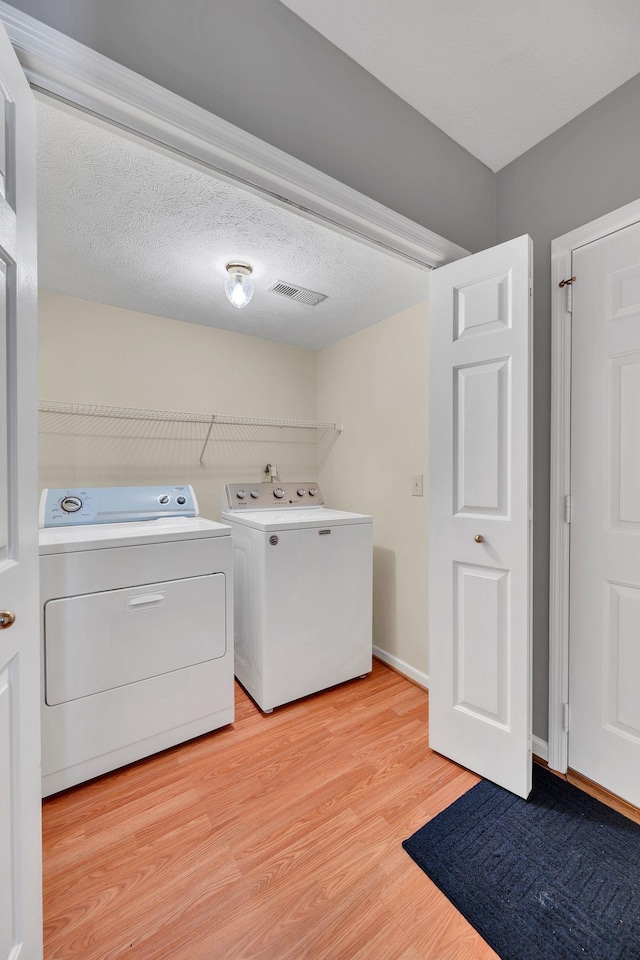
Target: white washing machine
302,591
137,627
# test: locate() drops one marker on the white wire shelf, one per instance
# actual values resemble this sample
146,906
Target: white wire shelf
64,408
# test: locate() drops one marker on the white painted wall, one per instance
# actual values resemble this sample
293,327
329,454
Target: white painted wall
377,382
94,353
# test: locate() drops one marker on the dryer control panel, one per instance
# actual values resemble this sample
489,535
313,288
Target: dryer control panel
72,506
261,496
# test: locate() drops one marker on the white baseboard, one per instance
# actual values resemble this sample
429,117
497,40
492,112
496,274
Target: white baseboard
417,676
540,748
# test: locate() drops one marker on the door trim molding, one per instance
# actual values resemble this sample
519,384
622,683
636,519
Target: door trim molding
66,69
560,481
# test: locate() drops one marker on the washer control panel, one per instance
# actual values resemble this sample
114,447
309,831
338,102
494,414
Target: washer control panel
261,496
78,505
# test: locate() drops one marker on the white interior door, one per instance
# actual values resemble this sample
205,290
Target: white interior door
20,843
604,646
480,542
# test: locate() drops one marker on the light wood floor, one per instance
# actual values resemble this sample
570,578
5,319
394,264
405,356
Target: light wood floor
278,838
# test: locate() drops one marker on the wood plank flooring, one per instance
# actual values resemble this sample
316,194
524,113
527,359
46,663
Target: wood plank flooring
278,838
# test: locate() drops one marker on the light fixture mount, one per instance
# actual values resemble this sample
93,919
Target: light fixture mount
236,266
238,286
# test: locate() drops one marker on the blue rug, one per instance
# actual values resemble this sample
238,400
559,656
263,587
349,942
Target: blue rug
554,877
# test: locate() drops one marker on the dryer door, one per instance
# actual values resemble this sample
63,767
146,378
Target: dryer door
100,641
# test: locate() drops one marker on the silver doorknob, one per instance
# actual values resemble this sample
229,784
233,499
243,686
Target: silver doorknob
7,619
479,538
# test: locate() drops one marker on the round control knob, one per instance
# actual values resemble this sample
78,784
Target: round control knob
163,498
181,500
278,493
71,504
241,494
255,494
301,492
312,492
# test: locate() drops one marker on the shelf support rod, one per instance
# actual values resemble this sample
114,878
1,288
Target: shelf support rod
206,440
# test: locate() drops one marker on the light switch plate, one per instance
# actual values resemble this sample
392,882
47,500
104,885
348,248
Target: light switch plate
416,484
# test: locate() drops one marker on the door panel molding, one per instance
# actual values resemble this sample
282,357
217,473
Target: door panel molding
560,481
481,600
481,475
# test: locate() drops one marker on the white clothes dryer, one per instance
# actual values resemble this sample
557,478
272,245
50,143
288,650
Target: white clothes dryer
302,591
136,625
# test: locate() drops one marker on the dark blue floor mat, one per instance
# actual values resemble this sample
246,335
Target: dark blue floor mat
554,877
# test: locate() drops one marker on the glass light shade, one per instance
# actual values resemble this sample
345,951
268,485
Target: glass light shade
238,286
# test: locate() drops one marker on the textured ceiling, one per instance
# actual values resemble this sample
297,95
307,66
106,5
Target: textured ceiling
497,75
123,224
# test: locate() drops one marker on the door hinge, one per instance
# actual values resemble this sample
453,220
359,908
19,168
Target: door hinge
567,508
568,288
565,717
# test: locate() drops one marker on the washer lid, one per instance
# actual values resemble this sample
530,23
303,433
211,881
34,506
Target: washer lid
295,519
99,536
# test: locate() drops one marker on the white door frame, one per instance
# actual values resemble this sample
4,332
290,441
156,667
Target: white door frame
561,268
65,69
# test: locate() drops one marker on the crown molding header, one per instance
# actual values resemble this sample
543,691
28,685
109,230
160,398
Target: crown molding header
70,71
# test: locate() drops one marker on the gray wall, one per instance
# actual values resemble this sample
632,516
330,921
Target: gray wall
259,66
586,169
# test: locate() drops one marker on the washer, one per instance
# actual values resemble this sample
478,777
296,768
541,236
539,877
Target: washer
137,627
303,590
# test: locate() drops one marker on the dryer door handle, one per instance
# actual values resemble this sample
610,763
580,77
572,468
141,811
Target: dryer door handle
144,600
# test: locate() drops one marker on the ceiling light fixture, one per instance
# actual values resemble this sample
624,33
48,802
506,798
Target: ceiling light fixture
238,286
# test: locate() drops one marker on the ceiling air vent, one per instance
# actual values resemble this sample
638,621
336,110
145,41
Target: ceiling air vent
291,292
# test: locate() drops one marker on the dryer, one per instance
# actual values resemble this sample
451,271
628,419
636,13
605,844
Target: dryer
136,626
302,590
